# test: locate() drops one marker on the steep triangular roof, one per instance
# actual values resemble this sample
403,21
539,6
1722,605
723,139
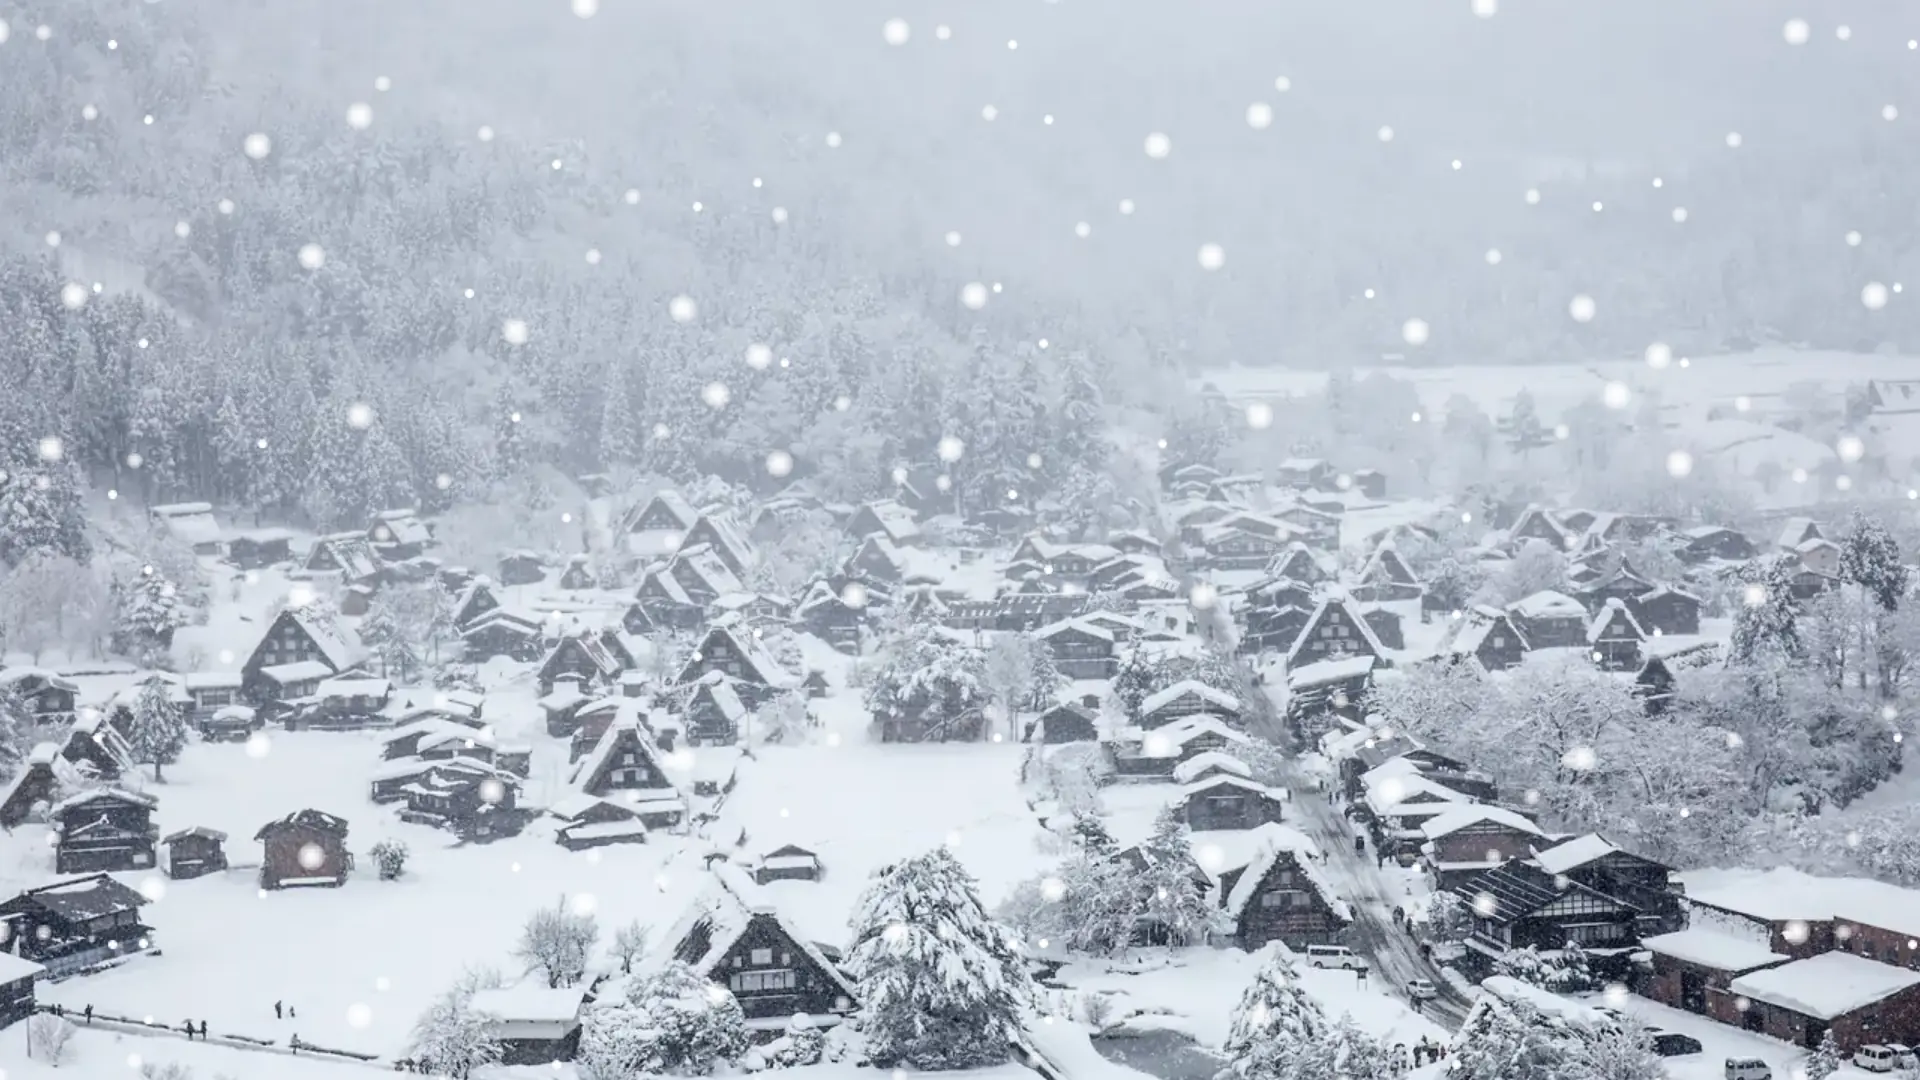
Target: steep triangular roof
1331,601
717,919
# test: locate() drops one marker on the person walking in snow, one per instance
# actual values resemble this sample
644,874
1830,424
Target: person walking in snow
279,1013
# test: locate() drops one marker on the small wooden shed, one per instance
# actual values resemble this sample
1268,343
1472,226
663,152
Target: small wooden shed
307,847
195,852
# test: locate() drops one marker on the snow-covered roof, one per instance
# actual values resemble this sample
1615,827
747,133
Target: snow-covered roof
1189,770
1513,991
1275,840
1613,613
338,645
1391,796
354,687
211,680
1452,821
1079,623
726,907
1784,894
1217,698
1322,672
399,527
1827,986
14,968
1241,783
1713,949
1474,628
191,523
1548,604
296,672
895,518
1573,854
1335,598
531,999
1169,739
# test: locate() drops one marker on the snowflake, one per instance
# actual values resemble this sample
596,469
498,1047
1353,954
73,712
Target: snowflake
632,197
360,116
586,9
1533,196
312,256
1679,215
1796,32
1259,415
1850,448
1415,331
382,83
1203,596
1385,134
1852,238
485,134
779,214
1082,230
950,449
89,112
1844,33
1282,84
1616,395
943,31
1493,256
73,296
988,112
360,415
514,331
153,888
1259,115
1874,296
1053,890
833,140
1486,9
896,32
779,463
1126,206
1582,308
1659,355
1679,463
51,448
1734,140
1158,146
759,356
53,239
953,238
682,309
311,857
257,146
973,295
593,256
1212,256
358,1014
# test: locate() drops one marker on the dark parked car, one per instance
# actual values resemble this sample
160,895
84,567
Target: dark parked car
1672,1044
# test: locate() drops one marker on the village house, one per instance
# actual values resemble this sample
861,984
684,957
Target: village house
1796,531
505,632
1489,637
1820,555
826,615
740,656
1220,800
307,847
1135,542
16,988
253,549
399,535
210,691
74,924
1338,687
1208,764
656,527
1583,891
1386,577
346,555
103,829
594,659
886,518
473,801
534,1024
1080,648
788,862
666,603
579,574
1666,610
735,936
475,599
1469,840
1615,638
522,567
1535,523
1550,620
300,647
1064,723
1387,626
35,785
1188,697
1281,893
1398,802
722,536
95,747
195,852
1153,755
1304,474
1334,630
1622,583
1706,543
703,576
49,697
625,769
716,715
191,524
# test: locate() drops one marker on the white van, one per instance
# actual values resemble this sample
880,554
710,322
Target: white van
1882,1059
1334,956
1748,1069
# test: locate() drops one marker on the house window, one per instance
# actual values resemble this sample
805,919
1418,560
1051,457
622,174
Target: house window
762,981
1499,641
762,957
1276,898
1301,900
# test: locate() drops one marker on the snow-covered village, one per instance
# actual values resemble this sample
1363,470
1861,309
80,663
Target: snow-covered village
1016,540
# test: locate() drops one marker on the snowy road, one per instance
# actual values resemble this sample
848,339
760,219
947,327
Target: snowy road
1394,953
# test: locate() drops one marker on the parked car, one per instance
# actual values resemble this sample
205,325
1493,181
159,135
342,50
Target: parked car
1335,956
1674,1044
1421,990
1748,1069
1881,1058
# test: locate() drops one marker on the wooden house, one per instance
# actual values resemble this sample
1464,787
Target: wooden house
1518,905
522,568
49,697
533,1023
788,862
724,537
37,783
1080,648
1490,637
1615,638
300,647
1648,886
715,713
1209,764
1334,630
1222,801
1063,723
398,535
1188,697
735,936
1232,545
578,574
191,524
340,704
345,554
1386,577
1154,755
666,602
886,518
503,632
1281,894
1304,474
257,548
1387,626
1472,839
1653,685
96,748
1135,542
16,988
474,803
210,691
741,657
307,847
1337,687
473,601
1796,531
1536,523
1820,555
103,829
1623,584
1370,482
195,852
590,658
827,616
1551,620
72,925
702,575
1666,610
656,527
624,768
1706,543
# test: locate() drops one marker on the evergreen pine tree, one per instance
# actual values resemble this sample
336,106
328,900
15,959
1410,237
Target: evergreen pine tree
1870,558
1091,834
1277,1031
618,445
1174,899
1502,1040
159,726
1767,618
509,435
1825,1059
149,613
942,986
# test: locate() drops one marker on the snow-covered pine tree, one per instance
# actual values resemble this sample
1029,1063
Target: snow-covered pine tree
1091,834
1870,558
41,511
450,1039
1276,1030
381,631
16,729
1360,1056
509,434
695,1024
159,726
1502,1040
1766,618
1826,1058
150,611
929,687
1174,899
942,986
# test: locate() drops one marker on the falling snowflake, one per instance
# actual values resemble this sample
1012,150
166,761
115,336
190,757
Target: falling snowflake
1659,355
1850,448
716,395
1533,196
952,238
51,449
1259,115
1616,395
360,116
1203,596
779,215
1385,134
833,140
682,309
1126,206
182,230
1415,331
360,415
1580,758
1158,146
1734,140
485,134
1679,463
1082,230
1486,9
1796,32
1679,215
1259,415
973,295
257,146
896,32
1053,890
1582,308
514,331
586,9
1874,296
73,296
950,449
312,256
779,463
1493,256
1212,256
358,1014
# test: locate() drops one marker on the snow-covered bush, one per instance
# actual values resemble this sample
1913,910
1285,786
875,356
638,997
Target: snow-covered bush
1561,971
929,688
557,941
390,857
171,1070
47,1037
450,1039
673,1021
802,1043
